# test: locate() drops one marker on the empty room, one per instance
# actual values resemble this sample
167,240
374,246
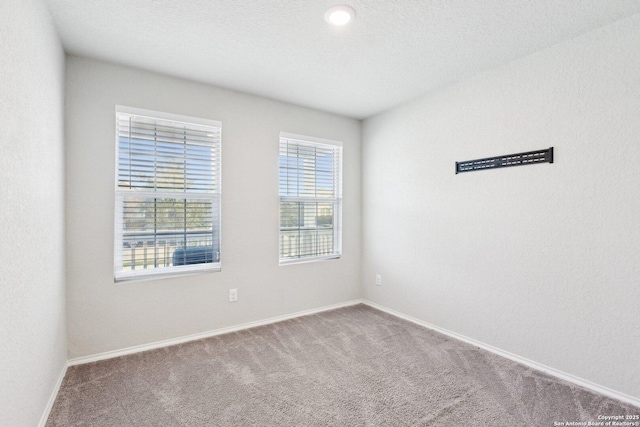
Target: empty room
318,213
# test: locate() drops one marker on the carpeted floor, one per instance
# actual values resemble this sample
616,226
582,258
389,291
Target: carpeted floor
354,366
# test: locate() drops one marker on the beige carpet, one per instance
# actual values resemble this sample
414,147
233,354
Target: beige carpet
349,367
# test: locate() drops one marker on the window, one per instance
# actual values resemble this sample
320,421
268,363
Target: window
167,218
310,176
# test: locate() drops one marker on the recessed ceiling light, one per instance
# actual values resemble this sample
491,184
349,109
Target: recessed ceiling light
339,15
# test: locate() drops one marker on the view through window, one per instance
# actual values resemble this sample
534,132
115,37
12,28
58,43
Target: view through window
167,194
310,187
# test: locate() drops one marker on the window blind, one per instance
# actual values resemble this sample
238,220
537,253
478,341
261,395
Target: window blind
167,194
310,188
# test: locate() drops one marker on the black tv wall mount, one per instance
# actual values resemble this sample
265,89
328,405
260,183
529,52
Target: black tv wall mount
518,159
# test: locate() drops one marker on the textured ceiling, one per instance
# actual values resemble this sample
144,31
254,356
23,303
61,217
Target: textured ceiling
393,51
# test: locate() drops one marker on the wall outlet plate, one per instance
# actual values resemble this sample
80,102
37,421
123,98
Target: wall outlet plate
379,279
233,295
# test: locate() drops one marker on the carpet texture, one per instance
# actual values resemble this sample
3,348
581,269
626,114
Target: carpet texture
355,366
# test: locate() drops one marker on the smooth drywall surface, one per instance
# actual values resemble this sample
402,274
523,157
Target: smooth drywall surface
33,348
104,315
542,261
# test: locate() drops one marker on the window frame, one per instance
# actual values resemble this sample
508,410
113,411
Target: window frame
119,195
337,200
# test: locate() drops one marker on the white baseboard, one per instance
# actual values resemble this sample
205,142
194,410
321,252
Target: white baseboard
193,337
52,398
519,359
165,343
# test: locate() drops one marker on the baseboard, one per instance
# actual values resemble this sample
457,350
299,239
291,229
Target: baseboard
52,398
193,337
519,359
165,343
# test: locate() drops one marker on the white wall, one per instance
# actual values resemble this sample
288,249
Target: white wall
32,307
542,261
104,315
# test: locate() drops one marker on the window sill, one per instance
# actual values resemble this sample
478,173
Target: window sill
309,259
166,274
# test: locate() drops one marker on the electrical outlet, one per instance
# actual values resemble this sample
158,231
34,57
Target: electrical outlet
233,295
379,279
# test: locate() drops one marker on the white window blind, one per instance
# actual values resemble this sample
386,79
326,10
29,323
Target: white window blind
167,218
310,176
